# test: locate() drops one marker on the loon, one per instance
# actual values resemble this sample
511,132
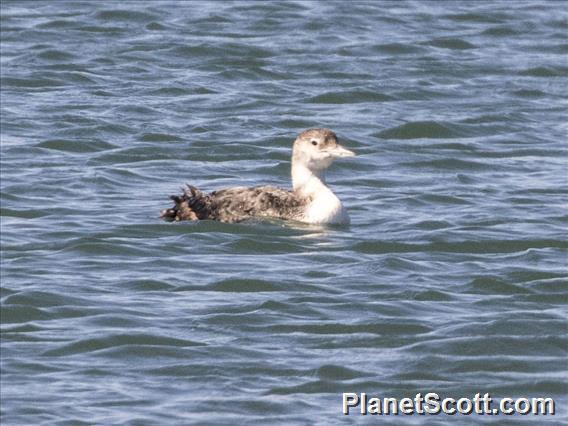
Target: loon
311,201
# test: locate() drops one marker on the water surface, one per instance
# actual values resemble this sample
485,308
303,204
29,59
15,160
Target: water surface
451,278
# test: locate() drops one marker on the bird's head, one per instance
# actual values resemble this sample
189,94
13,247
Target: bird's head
317,148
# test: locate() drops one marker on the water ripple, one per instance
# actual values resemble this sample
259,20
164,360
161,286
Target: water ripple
451,277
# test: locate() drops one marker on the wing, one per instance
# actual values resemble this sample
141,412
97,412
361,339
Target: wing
241,203
236,204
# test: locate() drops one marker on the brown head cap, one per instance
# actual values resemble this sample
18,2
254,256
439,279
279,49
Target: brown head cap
327,135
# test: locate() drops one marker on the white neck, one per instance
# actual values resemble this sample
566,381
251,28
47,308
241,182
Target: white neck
306,181
324,206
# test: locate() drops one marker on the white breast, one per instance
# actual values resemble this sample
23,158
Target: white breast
325,207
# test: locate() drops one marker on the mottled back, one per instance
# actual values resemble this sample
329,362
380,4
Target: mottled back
236,204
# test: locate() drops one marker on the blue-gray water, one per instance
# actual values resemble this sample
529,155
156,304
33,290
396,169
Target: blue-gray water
450,279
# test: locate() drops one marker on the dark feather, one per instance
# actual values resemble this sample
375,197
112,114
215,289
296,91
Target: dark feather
235,204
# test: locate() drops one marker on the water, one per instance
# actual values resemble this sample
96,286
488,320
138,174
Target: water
451,278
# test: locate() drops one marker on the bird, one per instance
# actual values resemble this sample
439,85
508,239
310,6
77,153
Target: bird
310,200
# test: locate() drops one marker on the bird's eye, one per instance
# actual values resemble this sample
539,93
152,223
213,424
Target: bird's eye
314,143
